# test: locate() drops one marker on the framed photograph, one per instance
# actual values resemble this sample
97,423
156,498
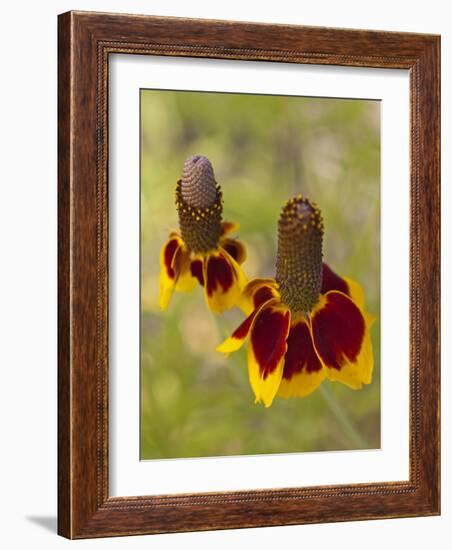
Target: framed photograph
248,275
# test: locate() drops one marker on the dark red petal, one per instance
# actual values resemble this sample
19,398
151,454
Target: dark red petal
242,331
338,330
232,249
264,294
196,271
332,281
170,250
219,274
300,354
268,338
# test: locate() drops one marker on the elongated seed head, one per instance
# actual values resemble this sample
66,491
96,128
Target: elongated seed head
198,184
199,204
299,257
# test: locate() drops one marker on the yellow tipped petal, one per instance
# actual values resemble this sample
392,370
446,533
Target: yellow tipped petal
266,389
355,374
175,269
342,339
238,337
240,334
370,319
168,269
356,292
165,293
229,227
224,281
230,345
234,248
301,385
256,292
185,281
333,281
303,371
266,351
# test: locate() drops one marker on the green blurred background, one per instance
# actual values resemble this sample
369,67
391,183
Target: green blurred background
264,149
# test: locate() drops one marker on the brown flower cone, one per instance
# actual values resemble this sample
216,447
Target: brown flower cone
299,259
199,204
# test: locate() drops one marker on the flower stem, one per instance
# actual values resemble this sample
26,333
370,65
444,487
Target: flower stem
343,418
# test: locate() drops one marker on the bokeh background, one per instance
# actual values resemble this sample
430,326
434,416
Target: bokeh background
264,149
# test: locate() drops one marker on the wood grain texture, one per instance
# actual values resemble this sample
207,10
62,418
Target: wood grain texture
85,42
64,295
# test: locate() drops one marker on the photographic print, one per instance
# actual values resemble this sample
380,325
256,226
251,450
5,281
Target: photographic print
260,274
233,285
230,256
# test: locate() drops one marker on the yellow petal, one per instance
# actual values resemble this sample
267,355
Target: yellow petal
234,248
266,389
256,292
229,227
224,281
303,370
168,269
266,351
360,371
301,385
342,339
356,292
240,334
333,281
185,282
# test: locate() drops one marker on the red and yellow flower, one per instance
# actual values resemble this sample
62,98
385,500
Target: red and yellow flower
306,325
203,252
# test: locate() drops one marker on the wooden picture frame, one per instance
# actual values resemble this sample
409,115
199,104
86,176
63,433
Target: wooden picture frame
85,42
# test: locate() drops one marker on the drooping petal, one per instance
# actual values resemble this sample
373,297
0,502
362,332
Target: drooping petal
234,248
229,227
240,334
303,371
266,351
342,340
257,292
224,280
185,281
332,281
197,270
356,292
169,269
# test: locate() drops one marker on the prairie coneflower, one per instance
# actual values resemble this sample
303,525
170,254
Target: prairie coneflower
307,324
202,252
